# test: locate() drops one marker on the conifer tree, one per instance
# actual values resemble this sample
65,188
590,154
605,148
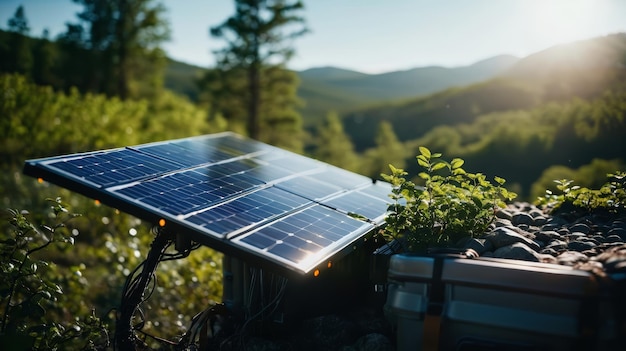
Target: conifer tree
123,37
19,57
258,49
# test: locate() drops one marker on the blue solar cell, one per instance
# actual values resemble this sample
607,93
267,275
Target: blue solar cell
189,191
361,204
380,190
308,187
113,167
296,163
305,236
341,178
260,206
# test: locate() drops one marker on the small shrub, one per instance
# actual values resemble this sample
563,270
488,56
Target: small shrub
609,197
30,289
452,204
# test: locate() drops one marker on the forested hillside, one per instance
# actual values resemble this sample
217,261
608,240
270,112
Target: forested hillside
563,106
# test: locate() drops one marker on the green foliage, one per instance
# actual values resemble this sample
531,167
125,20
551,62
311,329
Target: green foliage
334,147
32,291
452,204
37,121
592,175
611,196
388,150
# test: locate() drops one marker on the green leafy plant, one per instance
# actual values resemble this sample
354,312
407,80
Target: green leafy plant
31,288
452,203
610,197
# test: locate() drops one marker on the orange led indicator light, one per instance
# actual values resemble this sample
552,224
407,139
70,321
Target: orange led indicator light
97,202
40,180
161,222
330,264
316,273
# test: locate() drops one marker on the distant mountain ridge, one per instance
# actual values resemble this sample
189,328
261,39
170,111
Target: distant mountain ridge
584,69
408,83
325,89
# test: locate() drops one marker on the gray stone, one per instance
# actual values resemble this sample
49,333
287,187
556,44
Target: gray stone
522,218
540,220
517,251
580,227
478,245
621,232
557,245
575,236
563,231
547,235
580,245
570,258
502,236
503,223
613,238
549,251
503,214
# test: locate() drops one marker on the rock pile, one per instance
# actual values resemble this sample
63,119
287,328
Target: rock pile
594,242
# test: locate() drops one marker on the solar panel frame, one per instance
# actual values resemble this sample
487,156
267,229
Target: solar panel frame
234,169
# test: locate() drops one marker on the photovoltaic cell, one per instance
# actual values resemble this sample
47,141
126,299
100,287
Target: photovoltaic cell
232,193
360,204
309,187
305,238
114,167
261,206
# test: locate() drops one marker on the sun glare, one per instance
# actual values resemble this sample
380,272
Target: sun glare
563,20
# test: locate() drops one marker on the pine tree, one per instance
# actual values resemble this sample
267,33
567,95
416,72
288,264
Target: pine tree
19,58
258,49
123,37
18,23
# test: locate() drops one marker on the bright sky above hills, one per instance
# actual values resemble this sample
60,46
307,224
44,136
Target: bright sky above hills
377,36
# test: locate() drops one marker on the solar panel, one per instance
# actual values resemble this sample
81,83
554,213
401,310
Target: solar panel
234,194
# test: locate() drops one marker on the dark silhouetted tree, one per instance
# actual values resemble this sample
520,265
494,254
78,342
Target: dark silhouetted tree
123,37
18,23
19,57
258,39
45,57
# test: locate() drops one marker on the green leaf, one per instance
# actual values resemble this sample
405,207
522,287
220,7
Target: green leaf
438,166
499,180
424,151
424,175
422,163
457,163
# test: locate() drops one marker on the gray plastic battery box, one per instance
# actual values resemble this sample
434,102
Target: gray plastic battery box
448,302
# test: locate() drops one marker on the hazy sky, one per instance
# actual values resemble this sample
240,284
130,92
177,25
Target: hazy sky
379,35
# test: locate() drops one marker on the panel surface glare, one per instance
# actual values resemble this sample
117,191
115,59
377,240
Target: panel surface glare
231,193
